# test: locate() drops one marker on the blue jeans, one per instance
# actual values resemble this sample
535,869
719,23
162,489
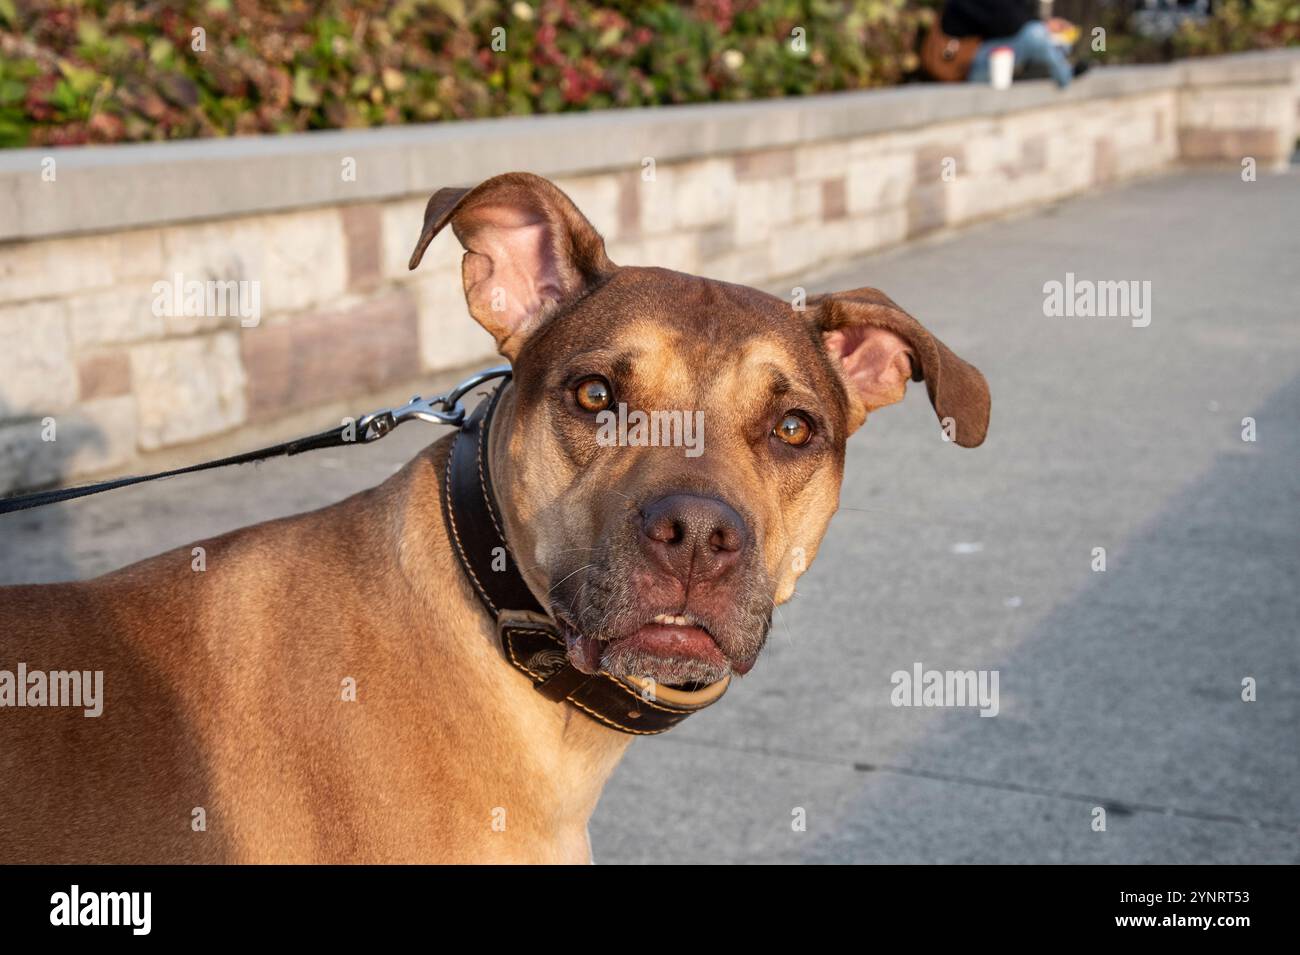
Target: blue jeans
1033,47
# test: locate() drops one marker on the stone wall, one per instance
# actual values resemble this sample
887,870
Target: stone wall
764,193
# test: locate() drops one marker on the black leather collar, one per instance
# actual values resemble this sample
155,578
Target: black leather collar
530,639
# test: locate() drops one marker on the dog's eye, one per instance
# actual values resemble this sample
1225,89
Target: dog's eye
794,429
593,394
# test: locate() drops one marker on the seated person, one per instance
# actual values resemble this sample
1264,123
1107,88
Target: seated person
1008,23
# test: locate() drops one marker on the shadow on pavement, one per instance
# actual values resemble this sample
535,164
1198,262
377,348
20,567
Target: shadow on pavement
1129,697
36,464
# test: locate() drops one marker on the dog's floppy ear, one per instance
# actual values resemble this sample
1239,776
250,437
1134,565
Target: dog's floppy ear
877,347
527,248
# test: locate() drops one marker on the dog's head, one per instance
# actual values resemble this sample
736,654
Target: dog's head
677,443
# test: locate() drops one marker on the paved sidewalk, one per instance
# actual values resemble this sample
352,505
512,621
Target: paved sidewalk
1118,689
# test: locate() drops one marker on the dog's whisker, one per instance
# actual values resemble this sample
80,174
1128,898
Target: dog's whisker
789,631
551,589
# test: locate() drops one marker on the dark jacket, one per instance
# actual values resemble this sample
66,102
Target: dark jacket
986,19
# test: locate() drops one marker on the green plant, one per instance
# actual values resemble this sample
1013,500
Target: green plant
99,71
1235,26
78,71
1238,25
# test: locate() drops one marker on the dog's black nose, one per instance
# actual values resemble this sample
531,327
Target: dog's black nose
692,537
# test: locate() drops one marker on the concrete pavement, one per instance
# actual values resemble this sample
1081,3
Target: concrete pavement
1118,689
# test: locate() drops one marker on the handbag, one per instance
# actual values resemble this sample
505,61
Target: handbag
948,58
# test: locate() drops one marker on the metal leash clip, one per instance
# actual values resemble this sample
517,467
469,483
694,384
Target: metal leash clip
440,409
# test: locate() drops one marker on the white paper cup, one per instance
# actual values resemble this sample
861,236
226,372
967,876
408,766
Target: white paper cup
1002,65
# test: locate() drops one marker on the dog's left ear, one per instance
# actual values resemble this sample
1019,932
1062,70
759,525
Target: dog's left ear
878,347
527,249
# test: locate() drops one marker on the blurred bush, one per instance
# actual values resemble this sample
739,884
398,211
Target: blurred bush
78,71
1239,25
1234,26
84,71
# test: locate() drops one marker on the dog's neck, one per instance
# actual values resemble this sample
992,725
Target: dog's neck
582,739
570,755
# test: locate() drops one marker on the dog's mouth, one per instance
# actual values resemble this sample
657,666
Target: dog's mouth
671,648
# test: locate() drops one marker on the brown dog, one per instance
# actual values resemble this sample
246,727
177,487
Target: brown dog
227,731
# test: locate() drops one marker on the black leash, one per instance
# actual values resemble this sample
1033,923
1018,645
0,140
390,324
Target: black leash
441,409
326,439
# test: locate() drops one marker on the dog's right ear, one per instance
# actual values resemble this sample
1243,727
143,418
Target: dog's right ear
527,250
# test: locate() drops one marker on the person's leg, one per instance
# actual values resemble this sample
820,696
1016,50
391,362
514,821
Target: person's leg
979,67
1033,45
